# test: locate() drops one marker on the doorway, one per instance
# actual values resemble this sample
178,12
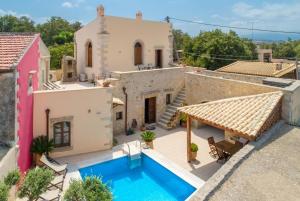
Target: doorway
158,58
150,110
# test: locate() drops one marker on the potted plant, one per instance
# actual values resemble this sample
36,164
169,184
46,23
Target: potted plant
194,150
183,119
143,127
148,137
39,146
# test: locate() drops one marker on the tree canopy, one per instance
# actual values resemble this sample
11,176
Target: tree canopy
213,49
57,33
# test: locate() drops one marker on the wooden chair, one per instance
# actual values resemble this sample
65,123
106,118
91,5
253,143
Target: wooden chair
215,152
213,149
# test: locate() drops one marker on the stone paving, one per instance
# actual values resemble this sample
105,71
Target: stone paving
172,145
272,172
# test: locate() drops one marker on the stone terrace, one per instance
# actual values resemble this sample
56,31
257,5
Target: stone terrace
172,145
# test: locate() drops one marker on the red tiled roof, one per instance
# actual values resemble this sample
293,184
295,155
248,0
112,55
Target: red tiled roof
12,47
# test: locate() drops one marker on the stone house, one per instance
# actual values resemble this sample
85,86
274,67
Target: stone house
24,60
110,43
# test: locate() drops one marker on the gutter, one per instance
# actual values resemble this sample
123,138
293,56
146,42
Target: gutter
126,108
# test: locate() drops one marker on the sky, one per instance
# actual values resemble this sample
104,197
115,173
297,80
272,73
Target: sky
268,14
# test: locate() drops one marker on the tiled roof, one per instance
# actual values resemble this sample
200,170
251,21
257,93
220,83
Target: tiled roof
12,47
246,116
258,68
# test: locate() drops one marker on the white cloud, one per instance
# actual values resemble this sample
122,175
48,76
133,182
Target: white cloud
69,4
267,11
10,12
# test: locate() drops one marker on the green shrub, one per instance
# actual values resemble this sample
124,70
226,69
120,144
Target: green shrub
194,147
91,189
95,190
40,145
3,191
35,183
12,178
148,136
75,191
183,117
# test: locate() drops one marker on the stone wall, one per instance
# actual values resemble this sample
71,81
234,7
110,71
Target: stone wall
200,88
145,84
7,106
234,76
8,162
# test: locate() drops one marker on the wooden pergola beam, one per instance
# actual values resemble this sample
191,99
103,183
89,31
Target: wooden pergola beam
189,137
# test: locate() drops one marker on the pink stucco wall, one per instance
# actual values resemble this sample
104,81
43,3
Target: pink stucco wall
28,63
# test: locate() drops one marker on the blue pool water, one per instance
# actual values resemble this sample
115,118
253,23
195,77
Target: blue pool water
150,181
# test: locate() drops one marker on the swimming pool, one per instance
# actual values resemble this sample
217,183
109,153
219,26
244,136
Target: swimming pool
150,181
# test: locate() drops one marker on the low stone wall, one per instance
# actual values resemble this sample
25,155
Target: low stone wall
234,76
8,162
214,183
7,106
145,84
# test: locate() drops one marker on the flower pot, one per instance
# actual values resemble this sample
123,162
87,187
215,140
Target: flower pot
193,155
37,159
150,144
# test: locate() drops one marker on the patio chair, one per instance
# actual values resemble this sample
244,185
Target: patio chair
57,168
213,149
57,182
50,195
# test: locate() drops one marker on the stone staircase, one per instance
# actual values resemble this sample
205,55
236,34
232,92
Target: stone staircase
170,118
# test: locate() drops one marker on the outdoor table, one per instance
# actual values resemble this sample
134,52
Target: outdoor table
229,147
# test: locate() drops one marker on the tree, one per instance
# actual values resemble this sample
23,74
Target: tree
91,189
64,37
215,49
58,51
35,183
3,192
10,23
54,27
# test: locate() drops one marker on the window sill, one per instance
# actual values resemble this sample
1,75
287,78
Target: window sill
62,149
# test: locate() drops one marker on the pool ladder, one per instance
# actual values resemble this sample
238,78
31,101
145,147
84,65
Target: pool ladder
134,155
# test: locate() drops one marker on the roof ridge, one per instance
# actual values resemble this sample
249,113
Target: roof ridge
18,33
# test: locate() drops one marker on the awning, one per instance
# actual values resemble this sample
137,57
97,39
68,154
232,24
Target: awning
246,116
117,101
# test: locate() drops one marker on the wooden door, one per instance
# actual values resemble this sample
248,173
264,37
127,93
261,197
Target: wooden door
150,110
158,58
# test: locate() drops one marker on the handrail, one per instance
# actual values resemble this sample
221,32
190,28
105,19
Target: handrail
128,148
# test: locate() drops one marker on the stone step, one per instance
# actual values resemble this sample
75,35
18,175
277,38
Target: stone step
166,117
165,121
181,99
177,104
164,126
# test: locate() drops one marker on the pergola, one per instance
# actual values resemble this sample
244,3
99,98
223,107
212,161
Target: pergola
246,116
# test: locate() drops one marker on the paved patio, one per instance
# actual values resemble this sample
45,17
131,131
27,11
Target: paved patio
172,145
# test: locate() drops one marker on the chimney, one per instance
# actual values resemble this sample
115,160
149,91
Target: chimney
139,15
279,66
100,11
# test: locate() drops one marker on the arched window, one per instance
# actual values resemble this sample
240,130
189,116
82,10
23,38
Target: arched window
89,54
138,54
62,133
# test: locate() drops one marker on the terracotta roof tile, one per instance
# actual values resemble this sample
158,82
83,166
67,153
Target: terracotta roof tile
12,47
244,115
258,68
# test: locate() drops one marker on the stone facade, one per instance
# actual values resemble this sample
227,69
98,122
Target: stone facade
145,84
113,40
7,106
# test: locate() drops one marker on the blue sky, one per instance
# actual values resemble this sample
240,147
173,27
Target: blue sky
269,14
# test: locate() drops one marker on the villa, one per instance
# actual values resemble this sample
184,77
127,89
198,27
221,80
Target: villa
122,81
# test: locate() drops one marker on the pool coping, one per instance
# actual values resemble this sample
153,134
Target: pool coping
120,151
